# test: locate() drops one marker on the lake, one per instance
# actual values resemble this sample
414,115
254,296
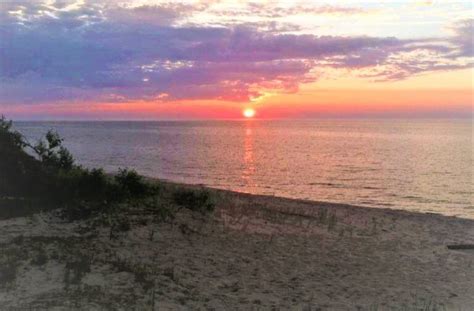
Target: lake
417,165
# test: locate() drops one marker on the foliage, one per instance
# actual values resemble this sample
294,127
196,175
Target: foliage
52,153
47,176
194,200
19,172
6,134
131,184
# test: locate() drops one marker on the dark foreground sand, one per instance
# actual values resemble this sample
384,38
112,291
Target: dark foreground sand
254,253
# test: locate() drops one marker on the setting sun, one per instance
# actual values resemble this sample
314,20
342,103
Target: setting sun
249,113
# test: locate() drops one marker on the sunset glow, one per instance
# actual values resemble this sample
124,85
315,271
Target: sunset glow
237,154
70,60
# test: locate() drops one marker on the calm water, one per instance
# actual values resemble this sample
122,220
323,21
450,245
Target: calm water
415,165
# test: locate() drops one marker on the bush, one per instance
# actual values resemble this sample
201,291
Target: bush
49,178
95,185
131,184
194,200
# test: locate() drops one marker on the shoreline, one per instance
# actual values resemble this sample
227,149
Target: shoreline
337,205
255,252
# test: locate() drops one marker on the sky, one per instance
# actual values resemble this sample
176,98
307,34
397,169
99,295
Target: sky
144,59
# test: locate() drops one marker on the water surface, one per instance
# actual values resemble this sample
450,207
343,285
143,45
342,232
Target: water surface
418,165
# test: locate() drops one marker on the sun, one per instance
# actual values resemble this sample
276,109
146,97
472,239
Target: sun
248,112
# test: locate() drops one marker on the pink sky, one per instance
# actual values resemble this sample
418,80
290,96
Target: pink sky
211,60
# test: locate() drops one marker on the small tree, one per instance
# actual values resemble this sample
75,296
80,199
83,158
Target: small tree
52,153
19,172
8,136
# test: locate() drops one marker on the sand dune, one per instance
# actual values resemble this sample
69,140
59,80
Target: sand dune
254,253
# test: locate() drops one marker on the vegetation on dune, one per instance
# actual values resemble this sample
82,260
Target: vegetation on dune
45,175
199,201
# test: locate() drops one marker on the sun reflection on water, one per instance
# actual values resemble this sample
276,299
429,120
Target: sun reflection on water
248,163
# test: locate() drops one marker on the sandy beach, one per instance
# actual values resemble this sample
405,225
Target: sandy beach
252,253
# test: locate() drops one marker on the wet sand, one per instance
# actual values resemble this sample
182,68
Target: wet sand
253,253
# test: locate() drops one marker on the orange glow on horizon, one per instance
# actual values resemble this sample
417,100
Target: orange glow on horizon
447,94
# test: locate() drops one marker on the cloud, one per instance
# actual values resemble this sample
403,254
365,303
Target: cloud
463,38
411,57
263,10
68,51
275,11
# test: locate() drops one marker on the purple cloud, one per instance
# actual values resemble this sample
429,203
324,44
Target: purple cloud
411,57
104,52
463,38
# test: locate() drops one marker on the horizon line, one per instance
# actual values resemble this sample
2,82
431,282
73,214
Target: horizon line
250,119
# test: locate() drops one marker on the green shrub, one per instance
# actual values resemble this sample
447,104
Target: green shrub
194,200
49,178
92,185
131,184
